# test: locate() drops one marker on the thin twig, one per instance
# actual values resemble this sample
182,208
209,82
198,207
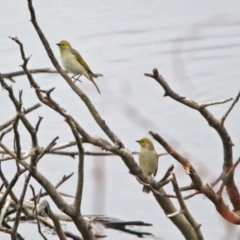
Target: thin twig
203,105
79,188
5,132
19,209
50,145
20,73
36,216
227,176
168,173
230,109
9,186
185,210
191,195
64,179
26,111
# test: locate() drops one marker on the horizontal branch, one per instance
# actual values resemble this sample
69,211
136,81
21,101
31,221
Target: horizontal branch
20,73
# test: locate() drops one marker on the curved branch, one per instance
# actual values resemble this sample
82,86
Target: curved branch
231,187
74,87
79,188
217,200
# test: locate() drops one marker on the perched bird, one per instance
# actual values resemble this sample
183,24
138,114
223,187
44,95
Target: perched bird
148,159
73,62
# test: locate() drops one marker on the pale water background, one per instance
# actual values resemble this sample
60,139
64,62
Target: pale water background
196,47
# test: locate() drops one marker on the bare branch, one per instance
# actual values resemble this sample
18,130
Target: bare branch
187,188
36,216
64,179
62,146
9,186
26,111
8,151
168,173
58,200
5,132
213,184
20,73
79,188
184,209
66,195
230,109
3,211
38,123
148,185
19,210
203,105
221,207
184,162
57,225
74,87
191,195
50,145
227,176
231,187
169,196
44,209
17,144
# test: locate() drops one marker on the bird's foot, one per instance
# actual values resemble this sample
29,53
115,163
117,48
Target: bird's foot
77,79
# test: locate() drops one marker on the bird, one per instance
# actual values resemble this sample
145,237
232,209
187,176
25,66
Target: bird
148,159
73,62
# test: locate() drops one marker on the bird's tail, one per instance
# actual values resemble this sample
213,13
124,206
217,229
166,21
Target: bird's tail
146,189
96,75
90,76
91,79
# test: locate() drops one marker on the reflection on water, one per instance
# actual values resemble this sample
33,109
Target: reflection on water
196,48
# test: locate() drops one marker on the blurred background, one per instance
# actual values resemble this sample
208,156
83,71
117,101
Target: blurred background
194,45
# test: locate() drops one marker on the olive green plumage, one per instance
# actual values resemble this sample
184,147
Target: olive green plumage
73,62
148,159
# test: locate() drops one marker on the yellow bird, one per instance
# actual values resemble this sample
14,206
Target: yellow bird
73,62
148,159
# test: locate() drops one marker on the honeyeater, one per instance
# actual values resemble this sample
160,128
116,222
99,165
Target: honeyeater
148,159
73,62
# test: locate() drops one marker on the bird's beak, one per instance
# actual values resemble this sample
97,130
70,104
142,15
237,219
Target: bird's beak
58,44
138,141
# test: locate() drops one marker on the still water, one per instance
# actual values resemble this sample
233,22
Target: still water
195,46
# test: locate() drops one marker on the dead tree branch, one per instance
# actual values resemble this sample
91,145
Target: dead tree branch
217,200
11,75
19,208
184,209
26,111
36,216
74,87
79,188
216,124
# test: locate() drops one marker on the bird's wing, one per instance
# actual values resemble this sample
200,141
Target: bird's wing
155,173
156,157
80,59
